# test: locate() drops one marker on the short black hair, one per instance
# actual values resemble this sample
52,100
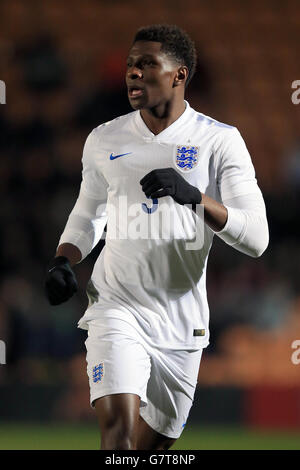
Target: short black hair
175,42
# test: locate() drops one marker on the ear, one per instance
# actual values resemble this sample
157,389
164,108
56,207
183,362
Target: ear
181,75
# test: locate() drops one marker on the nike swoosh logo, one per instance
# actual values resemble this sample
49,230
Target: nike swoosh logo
112,157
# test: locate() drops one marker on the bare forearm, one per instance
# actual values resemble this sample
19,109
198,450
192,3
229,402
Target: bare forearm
69,251
215,214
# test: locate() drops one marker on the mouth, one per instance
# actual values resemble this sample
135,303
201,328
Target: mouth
135,92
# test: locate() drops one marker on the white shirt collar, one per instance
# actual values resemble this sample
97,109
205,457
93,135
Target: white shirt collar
148,134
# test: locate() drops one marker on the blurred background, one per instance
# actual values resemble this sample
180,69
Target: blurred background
63,65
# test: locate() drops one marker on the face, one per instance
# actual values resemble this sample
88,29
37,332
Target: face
150,75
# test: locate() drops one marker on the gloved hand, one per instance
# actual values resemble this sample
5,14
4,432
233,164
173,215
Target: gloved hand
168,182
60,282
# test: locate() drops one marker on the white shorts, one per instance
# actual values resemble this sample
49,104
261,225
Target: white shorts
118,361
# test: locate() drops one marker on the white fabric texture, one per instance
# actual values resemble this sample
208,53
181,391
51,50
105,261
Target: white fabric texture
158,284
164,381
246,228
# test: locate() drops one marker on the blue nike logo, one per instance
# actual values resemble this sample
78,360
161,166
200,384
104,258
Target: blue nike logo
112,157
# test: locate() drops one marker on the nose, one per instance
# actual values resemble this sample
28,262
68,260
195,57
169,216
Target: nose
134,72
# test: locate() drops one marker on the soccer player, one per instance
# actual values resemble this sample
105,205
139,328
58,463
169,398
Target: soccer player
148,316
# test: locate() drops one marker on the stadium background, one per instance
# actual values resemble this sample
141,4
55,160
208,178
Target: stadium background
63,65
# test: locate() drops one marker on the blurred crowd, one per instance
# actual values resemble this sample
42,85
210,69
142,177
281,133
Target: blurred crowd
57,91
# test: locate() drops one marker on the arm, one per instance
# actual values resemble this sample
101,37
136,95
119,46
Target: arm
241,222
83,230
246,227
168,182
215,214
69,251
88,218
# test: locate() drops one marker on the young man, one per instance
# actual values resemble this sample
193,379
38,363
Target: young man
147,319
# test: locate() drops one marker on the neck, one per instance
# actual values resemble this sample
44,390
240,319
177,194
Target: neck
162,116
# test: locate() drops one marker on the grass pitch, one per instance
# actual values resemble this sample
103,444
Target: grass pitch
87,437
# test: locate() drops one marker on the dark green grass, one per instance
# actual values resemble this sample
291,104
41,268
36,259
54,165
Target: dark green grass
81,437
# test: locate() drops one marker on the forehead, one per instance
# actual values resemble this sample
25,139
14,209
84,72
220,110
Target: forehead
140,48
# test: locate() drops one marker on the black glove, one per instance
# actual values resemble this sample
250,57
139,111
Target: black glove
60,282
168,182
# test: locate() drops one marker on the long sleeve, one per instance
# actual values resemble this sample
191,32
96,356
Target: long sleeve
246,228
86,222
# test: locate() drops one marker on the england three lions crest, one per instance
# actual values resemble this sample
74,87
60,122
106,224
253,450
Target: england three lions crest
98,372
186,157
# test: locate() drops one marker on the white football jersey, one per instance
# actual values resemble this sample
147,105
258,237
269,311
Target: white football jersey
152,270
